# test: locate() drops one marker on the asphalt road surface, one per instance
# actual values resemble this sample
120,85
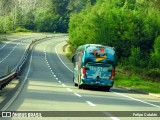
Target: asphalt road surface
47,85
12,50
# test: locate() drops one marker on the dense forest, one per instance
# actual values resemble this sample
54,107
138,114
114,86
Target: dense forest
34,15
131,26
38,15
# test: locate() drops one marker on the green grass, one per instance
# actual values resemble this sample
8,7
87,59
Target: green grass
135,82
3,39
68,53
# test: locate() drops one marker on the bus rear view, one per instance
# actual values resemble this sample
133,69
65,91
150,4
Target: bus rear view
94,65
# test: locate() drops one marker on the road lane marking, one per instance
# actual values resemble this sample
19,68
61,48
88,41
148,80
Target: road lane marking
8,55
136,99
90,103
59,81
13,40
6,43
108,114
115,118
63,85
12,49
77,94
61,59
49,64
69,89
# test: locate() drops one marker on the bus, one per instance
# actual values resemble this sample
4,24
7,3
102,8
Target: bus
94,65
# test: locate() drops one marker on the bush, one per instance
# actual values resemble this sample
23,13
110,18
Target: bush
135,56
21,29
154,74
155,56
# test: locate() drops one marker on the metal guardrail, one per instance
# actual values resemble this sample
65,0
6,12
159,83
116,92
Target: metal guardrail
5,79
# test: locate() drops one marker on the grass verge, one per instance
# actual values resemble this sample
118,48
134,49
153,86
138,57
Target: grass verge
68,53
137,83
3,39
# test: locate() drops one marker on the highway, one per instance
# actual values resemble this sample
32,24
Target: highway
47,85
12,50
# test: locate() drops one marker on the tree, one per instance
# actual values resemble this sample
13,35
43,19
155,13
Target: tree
155,56
123,24
44,21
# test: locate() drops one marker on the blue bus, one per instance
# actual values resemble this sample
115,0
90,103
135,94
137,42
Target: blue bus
94,65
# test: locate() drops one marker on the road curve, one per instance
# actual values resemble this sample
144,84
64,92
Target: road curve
13,49
48,86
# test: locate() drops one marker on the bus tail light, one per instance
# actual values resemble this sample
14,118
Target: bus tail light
112,75
83,71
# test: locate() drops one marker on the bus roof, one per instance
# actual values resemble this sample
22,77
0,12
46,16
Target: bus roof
86,46
98,52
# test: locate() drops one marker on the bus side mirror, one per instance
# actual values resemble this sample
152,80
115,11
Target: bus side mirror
73,58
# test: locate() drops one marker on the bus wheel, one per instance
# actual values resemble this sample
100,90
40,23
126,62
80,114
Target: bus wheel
107,89
80,86
75,84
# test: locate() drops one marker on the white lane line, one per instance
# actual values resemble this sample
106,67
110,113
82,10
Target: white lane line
115,118
11,50
13,40
59,81
77,94
9,53
63,85
61,59
69,89
90,103
48,63
4,45
136,99
111,116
